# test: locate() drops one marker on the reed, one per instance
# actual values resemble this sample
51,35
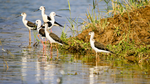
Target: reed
69,5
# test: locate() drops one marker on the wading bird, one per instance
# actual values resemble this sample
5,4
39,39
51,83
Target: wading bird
29,25
53,38
48,18
41,31
98,47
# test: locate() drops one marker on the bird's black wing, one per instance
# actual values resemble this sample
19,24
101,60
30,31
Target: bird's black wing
42,26
33,25
48,18
56,38
57,24
42,32
49,24
100,46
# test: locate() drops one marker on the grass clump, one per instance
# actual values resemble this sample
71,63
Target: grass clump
76,46
126,32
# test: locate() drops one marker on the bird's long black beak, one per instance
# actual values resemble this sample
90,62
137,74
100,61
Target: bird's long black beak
18,16
37,10
58,15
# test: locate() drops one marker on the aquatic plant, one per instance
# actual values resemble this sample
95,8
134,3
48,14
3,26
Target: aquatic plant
69,5
3,57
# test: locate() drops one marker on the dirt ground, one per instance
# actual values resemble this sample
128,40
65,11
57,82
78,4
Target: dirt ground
135,25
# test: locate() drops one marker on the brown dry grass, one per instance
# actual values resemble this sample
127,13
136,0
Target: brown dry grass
134,25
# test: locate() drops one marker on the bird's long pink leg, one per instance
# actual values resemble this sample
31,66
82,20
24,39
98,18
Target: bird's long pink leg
96,55
38,36
51,30
51,49
29,38
43,52
57,51
45,42
41,42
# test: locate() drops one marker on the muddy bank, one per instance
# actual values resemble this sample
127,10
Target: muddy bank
134,24
127,35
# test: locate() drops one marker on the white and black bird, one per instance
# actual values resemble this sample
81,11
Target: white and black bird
53,38
28,24
40,28
48,18
41,31
98,47
52,19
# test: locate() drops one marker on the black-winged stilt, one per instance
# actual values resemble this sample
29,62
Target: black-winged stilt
53,38
98,47
28,24
41,31
48,18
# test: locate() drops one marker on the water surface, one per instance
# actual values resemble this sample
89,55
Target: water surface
33,66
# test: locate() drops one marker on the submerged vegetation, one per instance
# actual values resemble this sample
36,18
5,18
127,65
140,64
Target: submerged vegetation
125,31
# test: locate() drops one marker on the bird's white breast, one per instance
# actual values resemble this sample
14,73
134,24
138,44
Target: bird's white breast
45,18
96,49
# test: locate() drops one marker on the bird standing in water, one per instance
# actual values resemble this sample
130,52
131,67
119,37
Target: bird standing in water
41,31
53,38
29,25
98,47
48,18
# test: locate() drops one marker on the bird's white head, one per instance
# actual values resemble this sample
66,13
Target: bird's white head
23,14
42,8
52,14
38,21
91,33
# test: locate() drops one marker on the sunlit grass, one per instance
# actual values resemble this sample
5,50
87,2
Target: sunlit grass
69,6
125,49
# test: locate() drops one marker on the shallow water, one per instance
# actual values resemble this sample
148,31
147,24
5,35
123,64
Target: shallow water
33,66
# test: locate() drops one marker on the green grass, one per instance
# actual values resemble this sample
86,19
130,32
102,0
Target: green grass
124,50
69,6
